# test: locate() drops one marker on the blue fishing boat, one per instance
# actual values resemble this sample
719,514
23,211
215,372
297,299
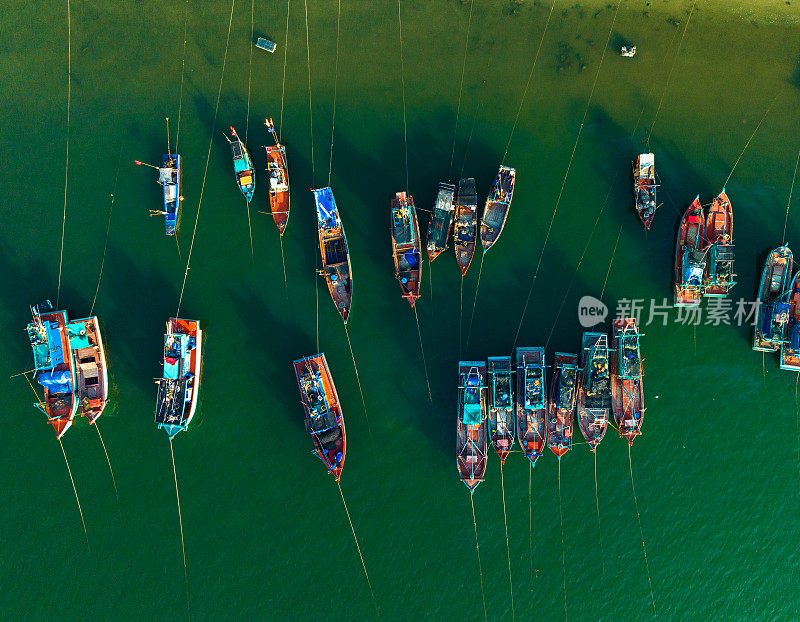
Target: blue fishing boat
242,166
170,177
334,251
54,365
501,405
180,382
790,347
531,402
772,309
471,437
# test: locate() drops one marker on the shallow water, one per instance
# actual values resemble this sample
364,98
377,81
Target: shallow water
266,536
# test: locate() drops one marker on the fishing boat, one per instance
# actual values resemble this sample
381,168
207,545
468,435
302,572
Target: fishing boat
466,223
719,240
531,402
406,246
772,310
594,388
563,397
498,203
790,347
471,443
323,414
278,173
180,383
242,166
442,220
627,390
690,257
170,177
501,405
644,188
91,376
54,366
333,248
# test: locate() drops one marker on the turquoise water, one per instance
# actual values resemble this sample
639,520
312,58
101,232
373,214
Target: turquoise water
716,469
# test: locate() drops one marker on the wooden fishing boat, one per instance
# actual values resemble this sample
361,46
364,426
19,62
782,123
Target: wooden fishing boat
471,437
690,257
278,174
644,188
466,223
323,414
594,388
170,177
531,402
501,405
333,248
242,166
790,346
406,246
442,220
180,382
719,241
772,310
627,389
54,366
498,203
91,376
563,397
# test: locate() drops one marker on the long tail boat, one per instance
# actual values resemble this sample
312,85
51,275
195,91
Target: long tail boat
91,375
772,311
501,405
627,390
498,203
563,397
790,347
323,414
531,402
442,220
406,246
278,173
170,177
471,443
644,188
180,382
719,240
333,248
54,365
466,223
242,166
594,390
690,257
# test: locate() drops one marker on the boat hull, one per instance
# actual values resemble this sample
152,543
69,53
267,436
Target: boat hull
594,391
465,228
691,237
172,193
501,405
790,347
179,386
441,222
563,398
404,230
498,204
719,233
774,277
243,170
334,251
531,402
627,390
644,188
471,424
279,192
91,373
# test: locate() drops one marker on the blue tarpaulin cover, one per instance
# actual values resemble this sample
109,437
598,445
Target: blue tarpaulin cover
56,382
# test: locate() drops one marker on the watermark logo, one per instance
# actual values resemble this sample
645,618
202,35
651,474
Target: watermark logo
591,311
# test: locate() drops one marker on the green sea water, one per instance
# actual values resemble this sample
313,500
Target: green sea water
716,469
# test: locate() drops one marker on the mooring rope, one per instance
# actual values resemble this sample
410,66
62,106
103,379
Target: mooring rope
475,300
528,83
180,524
563,562
530,520
66,165
108,460
508,547
479,101
613,252
208,158
460,314
597,506
641,532
403,88
30,384
283,85
249,76
789,202
183,71
335,86
358,379
566,174
75,490
422,351
747,144
478,550
358,548
310,111
461,85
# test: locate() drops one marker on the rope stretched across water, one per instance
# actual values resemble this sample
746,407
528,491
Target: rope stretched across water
747,144
208,158
358,548
461,86
358,380
75,490
66,165
789,202
641,532
403,88
422,351
335,86
108,460
613,253
597,506
475,300
508,548
249,76
563,561
478,550
283,85
180,523
183,71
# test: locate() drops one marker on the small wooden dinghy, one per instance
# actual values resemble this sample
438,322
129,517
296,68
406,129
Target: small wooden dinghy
627,389
790,346
442,220
594,389
406,246
179,385
466,223
242,166
531,402
170,178
644,188
690,257
498,203
563,397
91,375
323,414
719,241
501,405
471,438
54,365
333,248
278,174
772,310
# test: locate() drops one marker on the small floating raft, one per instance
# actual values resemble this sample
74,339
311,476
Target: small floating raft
471,443
334,251
179,385
501,405
266,45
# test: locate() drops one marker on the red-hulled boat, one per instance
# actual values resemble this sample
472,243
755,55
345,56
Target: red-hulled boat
278,173
644,188
334,251
501,405
594,390
406,246
719,241
531,402
471,438
690,257
563,397
627,390
465,228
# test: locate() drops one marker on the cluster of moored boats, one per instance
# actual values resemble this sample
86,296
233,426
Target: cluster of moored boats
500,403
